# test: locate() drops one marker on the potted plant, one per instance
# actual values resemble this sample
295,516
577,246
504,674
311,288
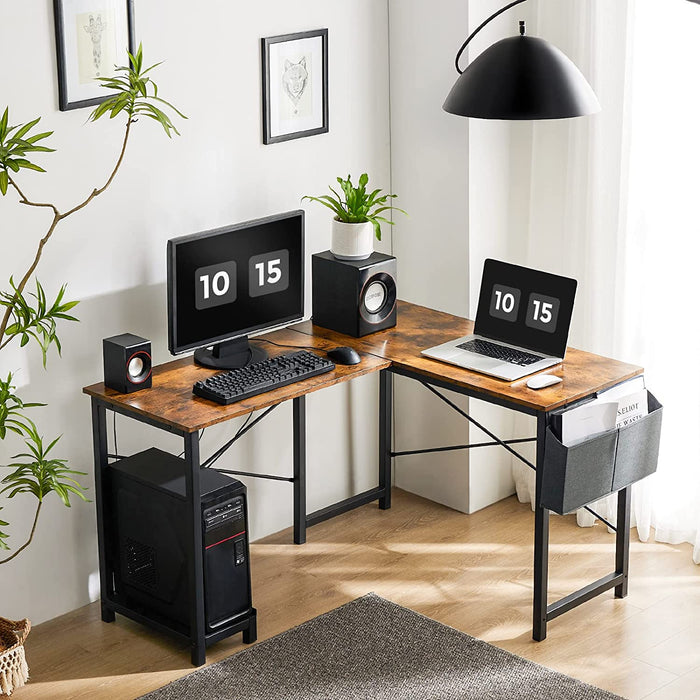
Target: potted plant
358,215
30,315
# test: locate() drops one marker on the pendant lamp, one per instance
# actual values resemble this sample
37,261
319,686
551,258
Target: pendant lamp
520,77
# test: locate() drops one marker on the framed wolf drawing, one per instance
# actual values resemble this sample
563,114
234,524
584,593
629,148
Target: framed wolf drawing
295,85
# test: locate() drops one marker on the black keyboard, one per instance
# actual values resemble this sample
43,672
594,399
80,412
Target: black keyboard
500,352
238,384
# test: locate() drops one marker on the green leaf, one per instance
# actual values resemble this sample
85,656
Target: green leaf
381,209
3,535
52,444
377,228
24,129
67,307
29,166
39,137
165,102
335,207
35,149
4,181
136,60
3,124
115,83
99,111
65,317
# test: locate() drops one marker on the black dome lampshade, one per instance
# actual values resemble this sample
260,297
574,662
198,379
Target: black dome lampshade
520,77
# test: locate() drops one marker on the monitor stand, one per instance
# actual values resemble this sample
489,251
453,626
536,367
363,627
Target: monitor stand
231,354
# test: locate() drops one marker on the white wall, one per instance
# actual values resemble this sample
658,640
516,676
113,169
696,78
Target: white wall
455,174
113,253
429,173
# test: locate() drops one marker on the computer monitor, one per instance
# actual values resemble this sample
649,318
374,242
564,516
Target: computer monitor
234,281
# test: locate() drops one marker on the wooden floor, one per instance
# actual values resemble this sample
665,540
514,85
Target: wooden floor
471,572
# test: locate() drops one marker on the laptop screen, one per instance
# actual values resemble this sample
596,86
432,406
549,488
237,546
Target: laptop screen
525,307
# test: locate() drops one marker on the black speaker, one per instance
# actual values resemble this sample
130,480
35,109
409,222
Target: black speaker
354,297
127,362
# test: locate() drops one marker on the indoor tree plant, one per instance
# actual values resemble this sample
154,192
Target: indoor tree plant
27,315
358,215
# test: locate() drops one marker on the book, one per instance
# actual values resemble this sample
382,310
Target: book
613,408
624,389
631,408
587,421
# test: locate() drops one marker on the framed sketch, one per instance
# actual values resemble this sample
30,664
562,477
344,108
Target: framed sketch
295,85
92,38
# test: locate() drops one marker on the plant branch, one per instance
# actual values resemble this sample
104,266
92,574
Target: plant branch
29,541
24,200
99,191
58,217
25,279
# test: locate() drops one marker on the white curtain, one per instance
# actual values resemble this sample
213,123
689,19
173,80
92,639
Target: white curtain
614,202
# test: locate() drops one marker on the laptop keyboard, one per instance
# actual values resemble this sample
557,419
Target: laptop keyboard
499,352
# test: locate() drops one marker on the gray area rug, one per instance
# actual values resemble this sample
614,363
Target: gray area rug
372,648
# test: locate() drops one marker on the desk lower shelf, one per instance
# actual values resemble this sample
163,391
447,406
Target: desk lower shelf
116,604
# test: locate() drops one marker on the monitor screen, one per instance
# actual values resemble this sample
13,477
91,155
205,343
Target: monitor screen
525,307
232,281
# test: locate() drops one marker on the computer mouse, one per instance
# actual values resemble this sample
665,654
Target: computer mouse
344,356
540,381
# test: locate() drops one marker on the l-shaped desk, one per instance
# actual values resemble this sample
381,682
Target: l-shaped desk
170,405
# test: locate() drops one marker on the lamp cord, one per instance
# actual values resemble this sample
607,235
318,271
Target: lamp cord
481,26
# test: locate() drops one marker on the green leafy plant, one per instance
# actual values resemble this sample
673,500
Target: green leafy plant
357,206
30,316
135,95
11,407
39,321
39,475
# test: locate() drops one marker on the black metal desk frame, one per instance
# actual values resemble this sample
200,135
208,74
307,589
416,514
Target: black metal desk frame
196,634
542,613
110,604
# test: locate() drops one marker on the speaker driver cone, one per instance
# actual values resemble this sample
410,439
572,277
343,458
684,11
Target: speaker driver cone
378,297
138,367
375,296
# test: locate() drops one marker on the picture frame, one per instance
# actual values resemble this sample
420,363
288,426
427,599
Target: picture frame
294,85
92,38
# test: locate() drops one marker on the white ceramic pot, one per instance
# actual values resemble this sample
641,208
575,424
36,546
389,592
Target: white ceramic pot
352,241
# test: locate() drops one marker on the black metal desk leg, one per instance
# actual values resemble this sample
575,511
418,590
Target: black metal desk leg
299,423
194,549
385,409
99,446
539,604
622,539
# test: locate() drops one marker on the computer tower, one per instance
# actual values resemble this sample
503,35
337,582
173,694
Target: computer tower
148,526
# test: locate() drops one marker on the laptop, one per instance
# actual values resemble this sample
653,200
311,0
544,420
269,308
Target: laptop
522,323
